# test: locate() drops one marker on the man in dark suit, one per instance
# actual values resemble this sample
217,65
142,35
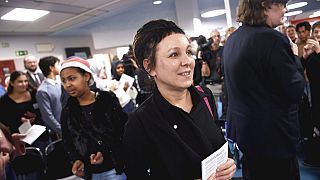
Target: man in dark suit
264,90
34,77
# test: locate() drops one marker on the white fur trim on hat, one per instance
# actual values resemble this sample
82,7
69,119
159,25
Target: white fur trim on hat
79,63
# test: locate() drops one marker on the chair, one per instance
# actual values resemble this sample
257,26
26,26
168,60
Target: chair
58,164
31,165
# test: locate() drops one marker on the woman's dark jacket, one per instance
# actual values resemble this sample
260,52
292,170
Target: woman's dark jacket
312,66
104,133
161,141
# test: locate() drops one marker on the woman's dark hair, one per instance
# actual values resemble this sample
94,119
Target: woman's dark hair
81,71
149,36
13,77
45,64
251,12
114,65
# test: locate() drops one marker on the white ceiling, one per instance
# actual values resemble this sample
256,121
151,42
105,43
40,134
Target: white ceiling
72,16
63,14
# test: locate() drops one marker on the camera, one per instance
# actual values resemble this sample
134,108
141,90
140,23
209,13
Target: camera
204,45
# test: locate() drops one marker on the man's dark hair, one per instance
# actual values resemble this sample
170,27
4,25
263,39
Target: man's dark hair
304,24
251,12
45,64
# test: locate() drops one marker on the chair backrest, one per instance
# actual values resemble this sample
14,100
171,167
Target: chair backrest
58,163
30,162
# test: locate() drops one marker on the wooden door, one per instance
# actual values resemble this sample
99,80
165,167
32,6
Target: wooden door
6,68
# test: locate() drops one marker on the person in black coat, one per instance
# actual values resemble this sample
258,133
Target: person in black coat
169,135
264,90
92,125
311,61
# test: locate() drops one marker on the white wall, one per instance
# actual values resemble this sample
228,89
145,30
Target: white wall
120,29
29,43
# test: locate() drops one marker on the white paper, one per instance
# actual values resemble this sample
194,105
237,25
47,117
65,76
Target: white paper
32,132
125,78
23,129
210,164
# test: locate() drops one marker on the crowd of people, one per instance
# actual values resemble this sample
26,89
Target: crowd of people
157,116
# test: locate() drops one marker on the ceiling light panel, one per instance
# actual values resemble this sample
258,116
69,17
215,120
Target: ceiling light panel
22,14
292,13
296,5
213,13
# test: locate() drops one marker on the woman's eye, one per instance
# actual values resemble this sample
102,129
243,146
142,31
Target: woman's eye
173,54
189,52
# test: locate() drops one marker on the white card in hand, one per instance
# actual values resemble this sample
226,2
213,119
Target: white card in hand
210,164
125,78
32,132
23,129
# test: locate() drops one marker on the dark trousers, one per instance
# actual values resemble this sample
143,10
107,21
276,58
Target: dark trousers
266,169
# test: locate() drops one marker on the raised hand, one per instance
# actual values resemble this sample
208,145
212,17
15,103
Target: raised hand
96,158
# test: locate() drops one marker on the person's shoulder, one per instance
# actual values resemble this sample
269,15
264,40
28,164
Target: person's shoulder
43,87
141,117
268,32
106,94
5,97
146,109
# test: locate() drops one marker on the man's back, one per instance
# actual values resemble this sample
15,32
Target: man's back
264,88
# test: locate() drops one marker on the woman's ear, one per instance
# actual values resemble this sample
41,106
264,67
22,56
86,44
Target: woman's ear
147,67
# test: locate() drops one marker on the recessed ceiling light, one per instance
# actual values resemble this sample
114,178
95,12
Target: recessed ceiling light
21,14
296,5
292,13
157,2
213,13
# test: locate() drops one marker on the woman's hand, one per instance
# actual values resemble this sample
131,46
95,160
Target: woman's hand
28,116
310,47
78,168
126,86
294,47
96,158
224,171
315,45
18,144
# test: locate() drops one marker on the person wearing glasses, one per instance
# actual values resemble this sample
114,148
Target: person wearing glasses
265,88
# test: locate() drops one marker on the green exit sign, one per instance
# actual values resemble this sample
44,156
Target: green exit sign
22,53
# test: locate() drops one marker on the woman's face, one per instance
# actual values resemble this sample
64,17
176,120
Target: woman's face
20,84
291,32
174,63
275,14
73,82
119,69
316,33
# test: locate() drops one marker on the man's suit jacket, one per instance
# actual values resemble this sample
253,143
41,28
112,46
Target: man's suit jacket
32,83
264,89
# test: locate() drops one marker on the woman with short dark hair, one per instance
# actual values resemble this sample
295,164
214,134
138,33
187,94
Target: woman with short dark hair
169,135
